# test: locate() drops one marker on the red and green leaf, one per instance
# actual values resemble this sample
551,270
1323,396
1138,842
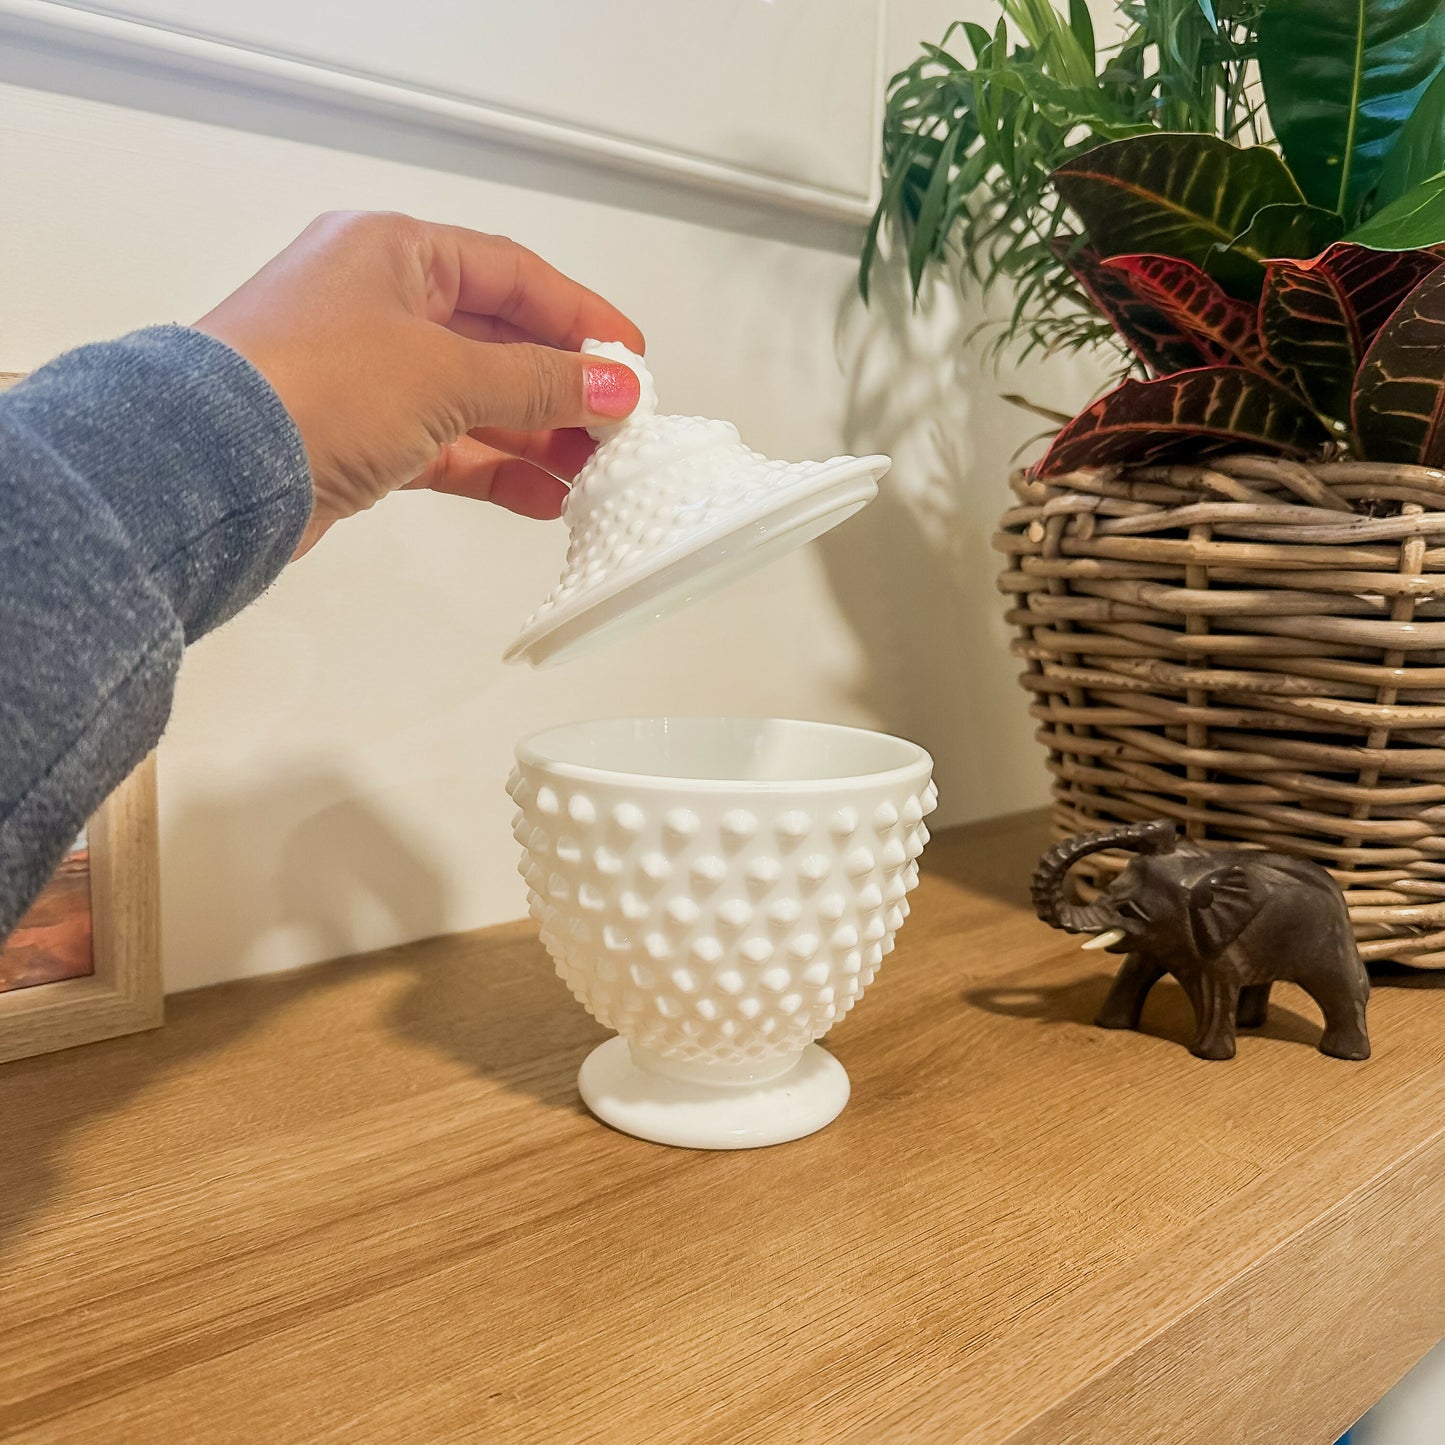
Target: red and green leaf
1374,283
1225,331
1192,414
1172,194
1400,390
1320,316
1148,332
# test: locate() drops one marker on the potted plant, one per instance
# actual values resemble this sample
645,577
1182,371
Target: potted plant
1228,572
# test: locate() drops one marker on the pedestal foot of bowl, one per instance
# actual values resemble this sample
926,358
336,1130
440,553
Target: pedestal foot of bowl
695,1114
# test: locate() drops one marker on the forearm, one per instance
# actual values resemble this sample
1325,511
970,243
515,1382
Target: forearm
149,488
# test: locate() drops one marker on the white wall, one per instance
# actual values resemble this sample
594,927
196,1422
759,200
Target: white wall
332,777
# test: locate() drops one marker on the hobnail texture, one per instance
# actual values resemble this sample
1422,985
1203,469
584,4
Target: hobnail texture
660,490
720,926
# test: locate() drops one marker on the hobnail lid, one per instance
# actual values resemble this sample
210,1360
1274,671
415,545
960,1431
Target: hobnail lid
671,508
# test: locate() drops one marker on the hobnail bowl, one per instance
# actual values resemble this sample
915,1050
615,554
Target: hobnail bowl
719,891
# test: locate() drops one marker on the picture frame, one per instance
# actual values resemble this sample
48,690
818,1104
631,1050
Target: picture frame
123,992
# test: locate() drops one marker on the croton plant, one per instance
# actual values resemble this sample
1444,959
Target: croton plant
1250,194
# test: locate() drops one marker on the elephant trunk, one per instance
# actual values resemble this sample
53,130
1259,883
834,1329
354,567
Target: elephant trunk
1053,867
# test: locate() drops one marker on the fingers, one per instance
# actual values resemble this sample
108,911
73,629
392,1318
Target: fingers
500,278
562,453
523,387
487,328
467,468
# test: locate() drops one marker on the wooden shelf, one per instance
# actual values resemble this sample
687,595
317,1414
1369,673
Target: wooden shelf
362,1203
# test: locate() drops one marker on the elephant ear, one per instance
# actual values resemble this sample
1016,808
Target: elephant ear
1220,906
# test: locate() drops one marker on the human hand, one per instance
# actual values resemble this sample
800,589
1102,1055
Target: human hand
418,355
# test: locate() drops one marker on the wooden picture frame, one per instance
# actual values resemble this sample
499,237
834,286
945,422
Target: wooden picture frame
124,992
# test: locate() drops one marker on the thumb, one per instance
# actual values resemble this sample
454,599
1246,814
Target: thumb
531,388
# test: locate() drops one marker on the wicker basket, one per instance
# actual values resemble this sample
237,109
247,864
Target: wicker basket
1255,648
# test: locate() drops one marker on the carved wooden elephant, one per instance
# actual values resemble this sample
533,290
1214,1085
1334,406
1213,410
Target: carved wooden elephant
1226,922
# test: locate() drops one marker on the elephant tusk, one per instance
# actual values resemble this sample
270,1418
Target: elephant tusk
1105,940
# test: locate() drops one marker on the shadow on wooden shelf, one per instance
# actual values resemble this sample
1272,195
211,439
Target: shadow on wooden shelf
1386,973
1166,1016
51,1097
490,1001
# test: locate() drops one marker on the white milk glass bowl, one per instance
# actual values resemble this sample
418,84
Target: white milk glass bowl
719,891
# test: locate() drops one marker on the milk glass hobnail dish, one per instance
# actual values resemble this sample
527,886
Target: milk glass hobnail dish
720,891
671,508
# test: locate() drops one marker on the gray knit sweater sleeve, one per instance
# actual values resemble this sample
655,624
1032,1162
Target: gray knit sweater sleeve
149,488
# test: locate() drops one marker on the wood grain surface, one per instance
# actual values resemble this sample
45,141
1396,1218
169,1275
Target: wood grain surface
362,1203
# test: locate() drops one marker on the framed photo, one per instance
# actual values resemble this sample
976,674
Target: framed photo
84,962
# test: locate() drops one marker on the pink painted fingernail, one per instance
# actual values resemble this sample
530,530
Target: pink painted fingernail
612,389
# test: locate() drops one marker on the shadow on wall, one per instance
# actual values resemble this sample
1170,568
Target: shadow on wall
916,578
302,869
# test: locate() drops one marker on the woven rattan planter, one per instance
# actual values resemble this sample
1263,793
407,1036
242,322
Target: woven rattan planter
1255,648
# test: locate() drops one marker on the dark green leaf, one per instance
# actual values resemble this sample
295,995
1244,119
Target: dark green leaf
1400,391
868,255
1082,25
1290,230
1419,149
886,205
927,230
1340,77
1190,414
1171,194
1287,231
1413,222
978,38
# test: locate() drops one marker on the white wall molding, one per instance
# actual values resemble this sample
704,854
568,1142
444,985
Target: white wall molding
63,27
